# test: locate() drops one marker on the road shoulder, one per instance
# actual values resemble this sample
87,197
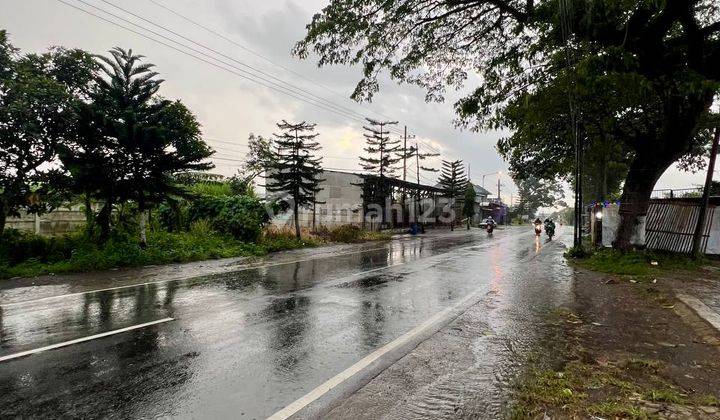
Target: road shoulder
625,349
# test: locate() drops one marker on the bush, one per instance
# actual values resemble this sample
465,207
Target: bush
243,216
576,252
282,239
201,227
350,234
173,215
123,251
17,246
212,189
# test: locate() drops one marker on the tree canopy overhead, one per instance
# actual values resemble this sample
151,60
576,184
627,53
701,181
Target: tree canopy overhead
654,60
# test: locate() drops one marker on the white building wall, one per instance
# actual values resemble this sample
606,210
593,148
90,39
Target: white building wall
341,203
713,246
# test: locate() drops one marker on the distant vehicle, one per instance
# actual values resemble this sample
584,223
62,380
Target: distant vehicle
484,223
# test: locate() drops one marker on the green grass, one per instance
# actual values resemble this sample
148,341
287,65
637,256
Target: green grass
163,248
636,263
27,255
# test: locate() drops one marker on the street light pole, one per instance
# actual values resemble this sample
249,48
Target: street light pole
491,173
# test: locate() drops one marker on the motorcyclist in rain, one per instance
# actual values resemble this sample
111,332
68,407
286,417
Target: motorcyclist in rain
490,225
549,228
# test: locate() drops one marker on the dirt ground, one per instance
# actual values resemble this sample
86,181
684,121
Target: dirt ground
627,348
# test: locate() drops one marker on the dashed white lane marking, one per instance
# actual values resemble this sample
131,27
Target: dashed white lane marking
399,342
250,267
81,340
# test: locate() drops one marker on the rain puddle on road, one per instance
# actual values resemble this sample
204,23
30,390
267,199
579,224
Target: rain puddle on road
467,370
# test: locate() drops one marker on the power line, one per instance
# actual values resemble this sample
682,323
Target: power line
279,89
281,84
255,53
321,103
292,86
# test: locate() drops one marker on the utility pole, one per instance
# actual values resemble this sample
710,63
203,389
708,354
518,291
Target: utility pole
700,226
417,167
417,162
405,156
499,189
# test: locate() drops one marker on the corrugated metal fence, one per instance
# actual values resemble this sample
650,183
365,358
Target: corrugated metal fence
670,225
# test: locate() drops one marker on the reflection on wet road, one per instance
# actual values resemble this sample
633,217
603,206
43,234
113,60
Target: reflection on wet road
246,343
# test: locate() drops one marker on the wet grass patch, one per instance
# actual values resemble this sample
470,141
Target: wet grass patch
640,264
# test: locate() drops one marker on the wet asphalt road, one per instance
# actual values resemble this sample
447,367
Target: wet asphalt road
244,344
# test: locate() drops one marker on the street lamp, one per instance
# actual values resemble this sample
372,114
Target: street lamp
498,173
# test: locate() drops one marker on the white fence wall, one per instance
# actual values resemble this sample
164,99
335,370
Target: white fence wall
611,220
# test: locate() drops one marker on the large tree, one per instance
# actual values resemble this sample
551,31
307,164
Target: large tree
130,142
258,159
660,57
535,193
469,203
453,182
294,169
37,93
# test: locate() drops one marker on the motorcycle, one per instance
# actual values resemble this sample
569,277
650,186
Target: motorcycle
489,228
550,229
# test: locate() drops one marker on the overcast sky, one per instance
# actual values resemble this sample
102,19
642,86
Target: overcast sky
230,106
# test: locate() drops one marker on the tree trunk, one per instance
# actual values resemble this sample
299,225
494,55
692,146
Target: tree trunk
143,216
103,219
639,183
89,214
3,216
297,221
143,229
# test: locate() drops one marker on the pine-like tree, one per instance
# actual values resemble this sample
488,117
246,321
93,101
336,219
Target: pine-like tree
381,161
294,169
382,151
453,180
130,142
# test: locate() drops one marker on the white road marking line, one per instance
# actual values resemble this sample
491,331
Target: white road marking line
81,340
338,379
703,311
251,267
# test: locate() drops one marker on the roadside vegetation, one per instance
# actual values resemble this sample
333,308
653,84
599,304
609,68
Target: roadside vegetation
580,373
95,131
639,264
27,255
